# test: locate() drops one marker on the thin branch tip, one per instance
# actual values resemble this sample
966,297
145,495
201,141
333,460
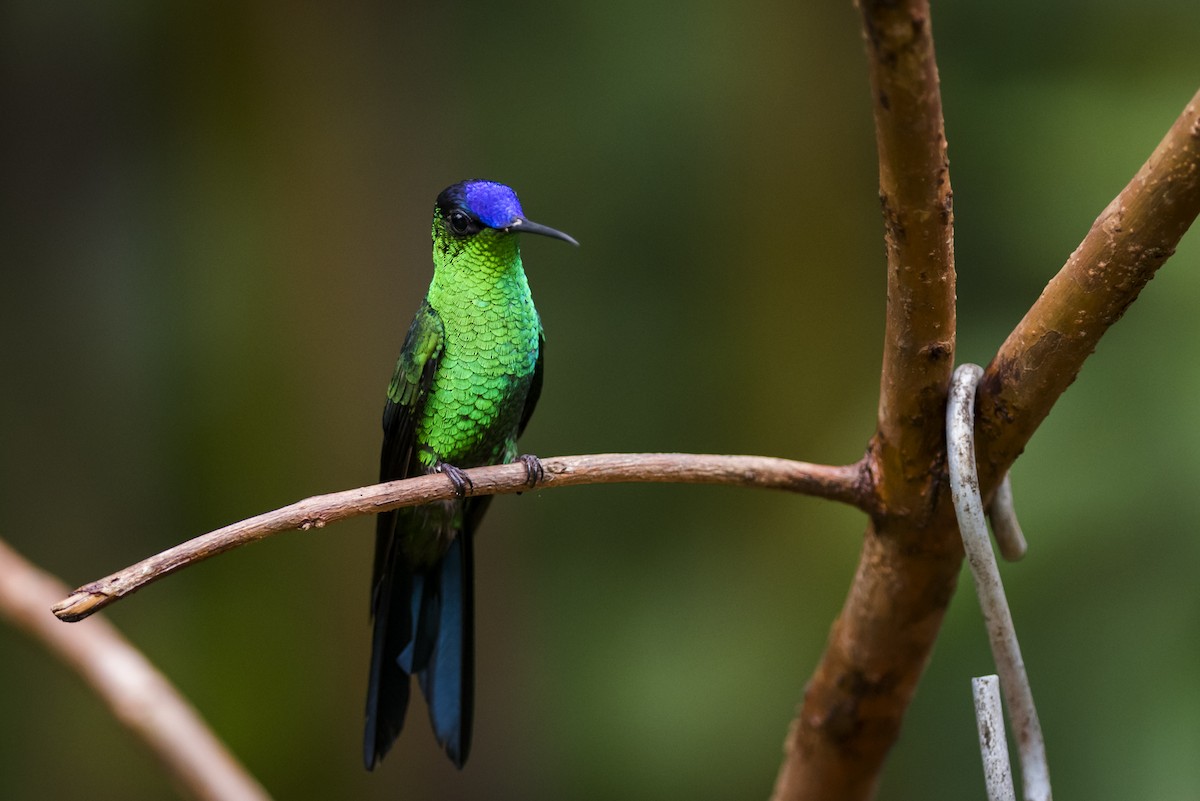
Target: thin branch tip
78,605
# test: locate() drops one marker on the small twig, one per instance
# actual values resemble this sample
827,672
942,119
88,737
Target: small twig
138,695
848,484
1005,528
993,744
968,506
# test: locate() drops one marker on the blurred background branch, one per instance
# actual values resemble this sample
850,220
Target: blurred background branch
136,693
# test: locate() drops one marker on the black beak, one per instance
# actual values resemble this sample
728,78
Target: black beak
524,226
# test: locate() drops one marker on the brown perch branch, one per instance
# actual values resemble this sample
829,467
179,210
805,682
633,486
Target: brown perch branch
849,484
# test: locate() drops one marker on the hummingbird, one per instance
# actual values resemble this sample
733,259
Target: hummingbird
468,377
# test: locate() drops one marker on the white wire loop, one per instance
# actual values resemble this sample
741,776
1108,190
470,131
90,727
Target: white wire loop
1006,652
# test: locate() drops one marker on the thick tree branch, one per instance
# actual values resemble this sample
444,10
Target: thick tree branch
1126,245
879,645
849,484
138,695
914,190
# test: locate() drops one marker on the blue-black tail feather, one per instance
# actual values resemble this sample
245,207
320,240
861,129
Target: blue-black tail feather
424,626
448,678
388,684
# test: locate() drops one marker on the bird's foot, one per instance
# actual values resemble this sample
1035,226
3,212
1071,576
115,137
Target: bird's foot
461,481
534,472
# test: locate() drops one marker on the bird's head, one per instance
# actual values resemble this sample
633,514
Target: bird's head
479,216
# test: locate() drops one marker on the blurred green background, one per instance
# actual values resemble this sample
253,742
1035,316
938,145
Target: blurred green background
215,231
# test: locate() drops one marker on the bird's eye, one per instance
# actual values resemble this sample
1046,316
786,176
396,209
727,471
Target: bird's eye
460,222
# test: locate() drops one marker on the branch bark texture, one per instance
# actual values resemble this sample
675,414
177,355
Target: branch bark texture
1126,245
915,196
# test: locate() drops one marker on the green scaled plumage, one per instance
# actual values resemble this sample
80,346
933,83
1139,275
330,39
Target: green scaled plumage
467,380
491,343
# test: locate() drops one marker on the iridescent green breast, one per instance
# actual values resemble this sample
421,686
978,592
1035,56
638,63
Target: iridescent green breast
491,335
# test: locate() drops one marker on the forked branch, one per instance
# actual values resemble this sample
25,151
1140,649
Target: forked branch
880,643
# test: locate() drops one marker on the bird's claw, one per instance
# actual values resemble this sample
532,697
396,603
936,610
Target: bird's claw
461,481
534,472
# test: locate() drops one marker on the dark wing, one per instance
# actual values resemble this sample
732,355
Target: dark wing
535,386
387,691
406,397
407,392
